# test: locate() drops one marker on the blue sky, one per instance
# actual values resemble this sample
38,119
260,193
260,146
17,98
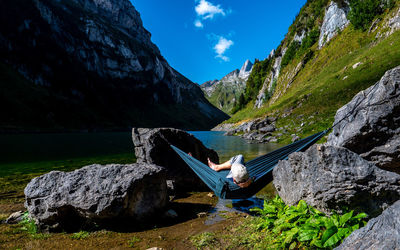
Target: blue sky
207,39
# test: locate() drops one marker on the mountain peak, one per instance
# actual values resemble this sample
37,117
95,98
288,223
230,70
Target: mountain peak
246,69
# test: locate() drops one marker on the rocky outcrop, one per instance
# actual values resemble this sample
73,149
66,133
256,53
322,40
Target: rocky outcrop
15,217
268,85
382,232
96,195
330,178
224,127
256,131
225,92
96,60
245,71
209,87
335,20
153,146
370,123
390,24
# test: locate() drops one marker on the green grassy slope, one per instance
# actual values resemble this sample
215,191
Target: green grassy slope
328,80
225,96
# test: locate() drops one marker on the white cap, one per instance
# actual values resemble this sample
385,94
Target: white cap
239,172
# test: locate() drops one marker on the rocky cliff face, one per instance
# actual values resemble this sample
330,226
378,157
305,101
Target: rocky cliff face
268,84
335,20
96,56
225,92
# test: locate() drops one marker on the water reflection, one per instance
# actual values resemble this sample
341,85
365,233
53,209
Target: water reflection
227,146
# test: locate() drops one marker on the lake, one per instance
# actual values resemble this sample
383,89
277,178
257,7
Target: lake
33,153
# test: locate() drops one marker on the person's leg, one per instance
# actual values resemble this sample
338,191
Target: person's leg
227,164
219,167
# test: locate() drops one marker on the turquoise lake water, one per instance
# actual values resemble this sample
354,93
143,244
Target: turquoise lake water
46,147
40,153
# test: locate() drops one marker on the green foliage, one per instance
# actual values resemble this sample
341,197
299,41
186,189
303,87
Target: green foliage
256,78
28,224
308,41
203,239
304,226
80,235
240,104
253,85
362,12
290,53
133,241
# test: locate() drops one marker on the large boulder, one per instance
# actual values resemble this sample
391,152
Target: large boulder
96,195
373,127
330,178
382,232
153,146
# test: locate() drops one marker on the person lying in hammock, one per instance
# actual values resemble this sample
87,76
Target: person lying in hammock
238,171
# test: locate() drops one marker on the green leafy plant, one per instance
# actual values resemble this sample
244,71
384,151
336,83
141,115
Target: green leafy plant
28,224
304,226
133,241
80,235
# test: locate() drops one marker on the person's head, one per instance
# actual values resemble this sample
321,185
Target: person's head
239,173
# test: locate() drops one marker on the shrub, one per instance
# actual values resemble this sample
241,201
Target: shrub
362,12
290,53
304,226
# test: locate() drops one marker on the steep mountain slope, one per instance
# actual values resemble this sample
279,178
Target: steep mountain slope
226,92
88,64
332,51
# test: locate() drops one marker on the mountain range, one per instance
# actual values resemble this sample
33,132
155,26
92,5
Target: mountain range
88,65
226,92
333,50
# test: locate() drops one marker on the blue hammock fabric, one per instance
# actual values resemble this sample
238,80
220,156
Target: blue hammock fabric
260,169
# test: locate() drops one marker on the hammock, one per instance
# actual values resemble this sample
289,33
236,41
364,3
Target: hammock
260,169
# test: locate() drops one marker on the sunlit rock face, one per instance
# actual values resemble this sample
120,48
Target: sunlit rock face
335,20
370,123
97,54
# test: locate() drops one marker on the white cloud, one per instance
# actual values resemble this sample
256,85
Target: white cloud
198,24
221,47
206,10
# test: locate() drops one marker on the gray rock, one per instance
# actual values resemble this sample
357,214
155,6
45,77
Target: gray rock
153,146
266,129
273,139
330,178
295,138
96,195
382,232
250,135
373,129
15,218
335,19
